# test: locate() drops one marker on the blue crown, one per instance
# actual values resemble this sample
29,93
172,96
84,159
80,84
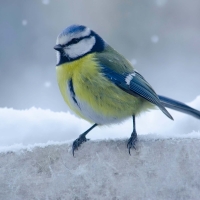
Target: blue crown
73,29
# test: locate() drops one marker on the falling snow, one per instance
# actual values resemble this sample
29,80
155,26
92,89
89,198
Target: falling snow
47,84
154,39
45,2
24,22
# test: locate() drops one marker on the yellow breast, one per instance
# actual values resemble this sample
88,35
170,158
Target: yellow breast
81,72
100,100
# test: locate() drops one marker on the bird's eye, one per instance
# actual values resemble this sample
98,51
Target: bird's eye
74,41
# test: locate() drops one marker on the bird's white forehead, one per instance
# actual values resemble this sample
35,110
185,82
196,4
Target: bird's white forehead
64,38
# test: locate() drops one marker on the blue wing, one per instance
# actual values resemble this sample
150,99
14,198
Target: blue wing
134,84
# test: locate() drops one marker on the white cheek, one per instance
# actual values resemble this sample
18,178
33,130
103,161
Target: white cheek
58,56
81,48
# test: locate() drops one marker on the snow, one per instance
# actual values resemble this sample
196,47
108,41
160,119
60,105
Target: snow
162,169
45,2
161,3
25,129
154,38
24,22
133,62
47,84
37,162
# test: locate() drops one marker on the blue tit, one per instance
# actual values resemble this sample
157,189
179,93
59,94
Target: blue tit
101,86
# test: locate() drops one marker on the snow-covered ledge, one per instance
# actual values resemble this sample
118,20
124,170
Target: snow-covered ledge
158,169
36,160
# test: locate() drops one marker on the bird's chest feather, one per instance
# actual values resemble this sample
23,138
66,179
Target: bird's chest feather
78,82
90,95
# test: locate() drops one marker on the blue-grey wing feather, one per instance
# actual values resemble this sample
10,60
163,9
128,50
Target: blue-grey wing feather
116,68
137,86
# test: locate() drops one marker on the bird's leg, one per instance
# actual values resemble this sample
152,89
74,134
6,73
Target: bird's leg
133,139
77,143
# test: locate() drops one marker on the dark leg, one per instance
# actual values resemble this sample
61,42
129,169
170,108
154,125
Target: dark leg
77,143
133,139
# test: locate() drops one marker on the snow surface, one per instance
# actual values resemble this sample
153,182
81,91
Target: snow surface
25,129
157,170
36,161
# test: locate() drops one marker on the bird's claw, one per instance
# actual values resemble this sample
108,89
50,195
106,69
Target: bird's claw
132,143
77,143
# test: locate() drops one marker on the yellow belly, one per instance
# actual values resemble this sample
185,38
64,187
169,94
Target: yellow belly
96,93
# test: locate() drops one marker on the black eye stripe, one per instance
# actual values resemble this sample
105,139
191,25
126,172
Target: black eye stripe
76,40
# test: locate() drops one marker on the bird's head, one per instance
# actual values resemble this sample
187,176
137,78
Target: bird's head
75,42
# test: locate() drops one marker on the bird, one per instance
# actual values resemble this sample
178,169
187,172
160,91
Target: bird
101,86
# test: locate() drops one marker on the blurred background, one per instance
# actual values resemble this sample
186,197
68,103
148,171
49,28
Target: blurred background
160,37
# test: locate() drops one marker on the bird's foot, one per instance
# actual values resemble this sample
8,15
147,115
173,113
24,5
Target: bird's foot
77,143
132,142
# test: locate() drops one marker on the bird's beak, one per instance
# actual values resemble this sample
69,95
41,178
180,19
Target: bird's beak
58,47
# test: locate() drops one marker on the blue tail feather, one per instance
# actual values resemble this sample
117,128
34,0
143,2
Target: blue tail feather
179,106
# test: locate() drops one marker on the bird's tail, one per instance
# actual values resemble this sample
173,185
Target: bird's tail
177,105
